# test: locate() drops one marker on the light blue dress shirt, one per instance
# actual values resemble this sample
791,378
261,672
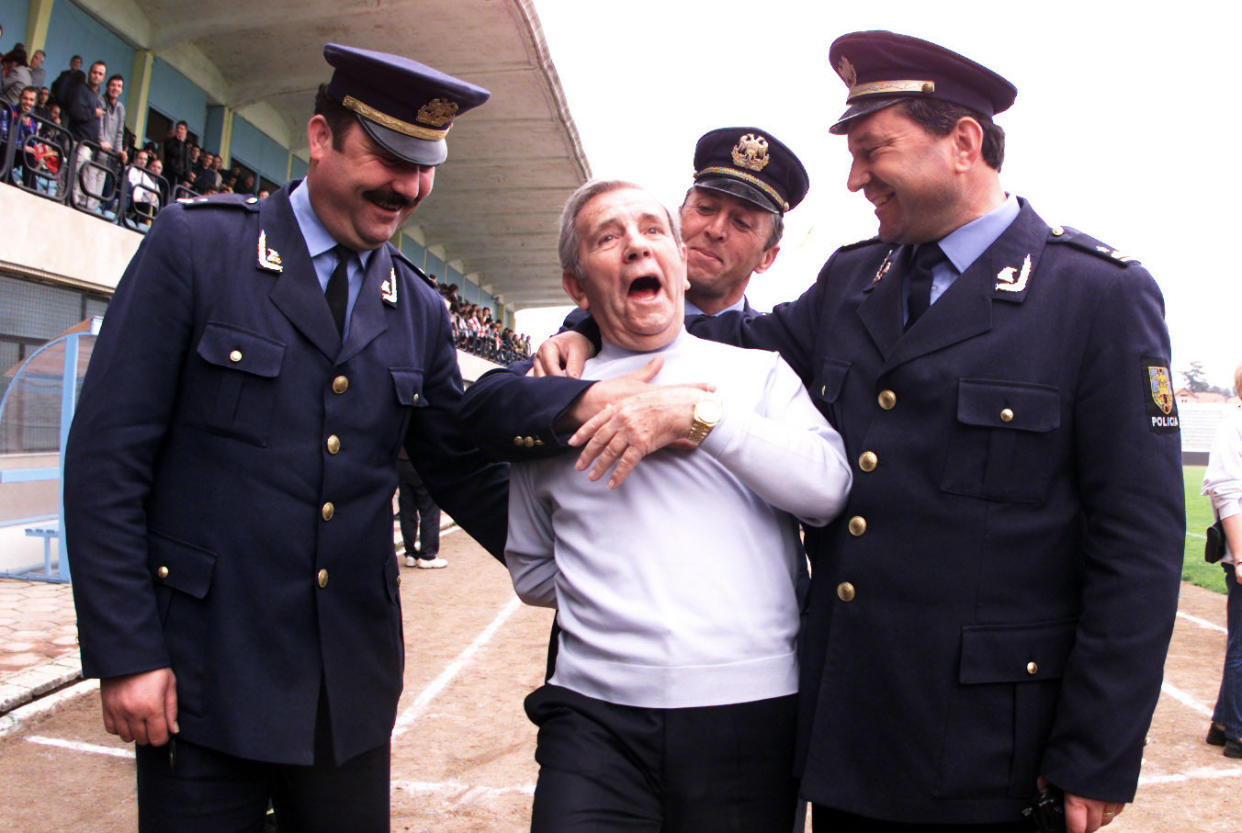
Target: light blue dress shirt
963,246
319,242
691,309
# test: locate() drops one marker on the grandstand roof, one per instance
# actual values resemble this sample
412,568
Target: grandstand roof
511,163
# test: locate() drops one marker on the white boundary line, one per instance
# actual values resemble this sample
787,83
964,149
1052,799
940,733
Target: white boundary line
1202,773
415,710
1185,699
13,721
78,746
466,791
1203,623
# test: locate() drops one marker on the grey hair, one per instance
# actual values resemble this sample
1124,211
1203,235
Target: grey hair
567,245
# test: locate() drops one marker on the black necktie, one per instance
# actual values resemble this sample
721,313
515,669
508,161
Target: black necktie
337,293
920,266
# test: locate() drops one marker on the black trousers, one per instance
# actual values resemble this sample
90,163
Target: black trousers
420,517
829,820
186,788
606,768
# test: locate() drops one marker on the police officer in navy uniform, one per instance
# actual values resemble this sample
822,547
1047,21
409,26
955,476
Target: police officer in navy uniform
991,613
230,470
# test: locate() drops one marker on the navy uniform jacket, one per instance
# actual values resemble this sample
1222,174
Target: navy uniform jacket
229,476
996,601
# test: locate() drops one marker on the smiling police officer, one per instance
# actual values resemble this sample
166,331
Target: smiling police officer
231,466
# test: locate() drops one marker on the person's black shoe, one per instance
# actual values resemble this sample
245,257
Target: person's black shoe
1233,748
1215,736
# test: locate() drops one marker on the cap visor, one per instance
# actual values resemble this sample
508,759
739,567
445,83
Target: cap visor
862,108
739,189
417,151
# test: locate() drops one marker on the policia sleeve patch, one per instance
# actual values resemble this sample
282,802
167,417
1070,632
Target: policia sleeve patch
1158,394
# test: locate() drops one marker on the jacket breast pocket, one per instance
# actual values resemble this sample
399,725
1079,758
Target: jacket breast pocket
233,392
1004,445
183,573
1001,711
828,384
407,386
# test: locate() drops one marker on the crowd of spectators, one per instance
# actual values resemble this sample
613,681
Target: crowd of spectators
81,114
475,331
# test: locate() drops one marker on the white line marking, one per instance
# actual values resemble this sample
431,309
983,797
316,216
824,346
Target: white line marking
466,790
1178,777
1203,623
78,746
415,710
1196,535
1185,699
13,721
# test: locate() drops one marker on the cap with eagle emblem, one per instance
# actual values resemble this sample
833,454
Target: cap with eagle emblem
751,164
405,106
882,68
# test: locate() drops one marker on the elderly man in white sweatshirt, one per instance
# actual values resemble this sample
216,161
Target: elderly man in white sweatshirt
671,706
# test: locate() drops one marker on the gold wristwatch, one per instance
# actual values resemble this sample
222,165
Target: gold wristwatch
707,412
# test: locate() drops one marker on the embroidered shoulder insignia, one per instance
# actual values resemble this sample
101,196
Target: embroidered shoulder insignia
1086,243
269,259
1158,389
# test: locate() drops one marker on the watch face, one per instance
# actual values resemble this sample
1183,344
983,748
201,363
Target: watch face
709,411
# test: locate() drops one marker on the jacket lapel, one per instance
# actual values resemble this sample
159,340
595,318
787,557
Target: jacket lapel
296,293
368,318
880,309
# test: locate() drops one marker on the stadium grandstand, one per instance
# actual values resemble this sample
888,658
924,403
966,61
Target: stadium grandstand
215,98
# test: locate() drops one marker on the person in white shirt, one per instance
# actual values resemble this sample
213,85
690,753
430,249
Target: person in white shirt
671,705
1223,483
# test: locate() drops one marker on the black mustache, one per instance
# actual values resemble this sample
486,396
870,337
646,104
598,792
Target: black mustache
387,197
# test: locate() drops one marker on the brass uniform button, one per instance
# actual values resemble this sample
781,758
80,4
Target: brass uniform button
334,443
1006,415
845,591
528,442
235,356
1032,668
340,384
867,461
327,511
162,572
322,578
857,525
517,441
887,399
414,400
1057,231
538,441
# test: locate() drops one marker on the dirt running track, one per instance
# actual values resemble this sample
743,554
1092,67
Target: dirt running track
463,749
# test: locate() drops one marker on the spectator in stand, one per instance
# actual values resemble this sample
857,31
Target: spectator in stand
61,84
16,76
177,154
43,103
25,128
197,158
85,108
112,122
156,167
245,185
208,178
144,194
263,193
38,72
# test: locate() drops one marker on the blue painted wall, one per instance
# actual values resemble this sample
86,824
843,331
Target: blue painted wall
298,170
72,31
176,96
435,266
412,249
255,149
13,17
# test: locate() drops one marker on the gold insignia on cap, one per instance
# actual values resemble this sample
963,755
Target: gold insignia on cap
269,259
391,122
751,152
1010,279
388,289
1161,388
437,112
847,72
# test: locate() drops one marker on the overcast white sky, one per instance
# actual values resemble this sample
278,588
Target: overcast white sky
1125,125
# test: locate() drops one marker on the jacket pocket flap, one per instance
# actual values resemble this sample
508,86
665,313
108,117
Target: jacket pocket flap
179,565
1015,653
227,346
408,383
831,379
1023,407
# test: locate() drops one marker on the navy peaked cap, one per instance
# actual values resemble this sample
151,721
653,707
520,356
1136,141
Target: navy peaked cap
405,106
751,164
881,68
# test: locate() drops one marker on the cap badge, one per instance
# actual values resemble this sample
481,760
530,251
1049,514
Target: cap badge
847,72
269,259
388,289
1010,279
751,152
437,112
